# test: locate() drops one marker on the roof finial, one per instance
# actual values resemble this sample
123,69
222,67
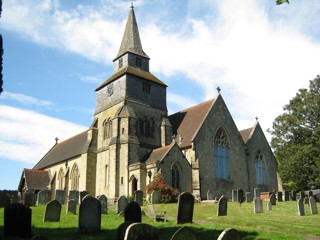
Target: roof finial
57,139
219,89
132,4
257,119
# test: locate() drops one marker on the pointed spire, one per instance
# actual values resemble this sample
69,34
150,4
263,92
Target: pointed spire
131,39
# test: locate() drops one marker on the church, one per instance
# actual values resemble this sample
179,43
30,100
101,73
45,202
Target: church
132,139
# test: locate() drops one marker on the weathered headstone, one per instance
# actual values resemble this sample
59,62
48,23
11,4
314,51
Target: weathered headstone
155,197
122,202
52,211
30,199
313,205
222,206
257,205
293,195
72,206
138,197
83,194
240,195
184,233
279,197
210,195
90,215
104,203
121,230
273,199
17,221
229,234
60,194
310,193
43,197
185,208
249,197
257,193
302,195
74,195
269,206
286,195
234,195
86,196
138,231
300,207
132,212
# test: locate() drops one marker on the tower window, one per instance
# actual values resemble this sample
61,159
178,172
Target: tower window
138,62
146,87
120,62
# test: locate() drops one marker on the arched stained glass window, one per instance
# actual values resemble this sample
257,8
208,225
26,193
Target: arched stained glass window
75,177
261,169
175,176
221,155
107,128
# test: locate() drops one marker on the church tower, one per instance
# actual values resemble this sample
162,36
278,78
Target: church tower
131,117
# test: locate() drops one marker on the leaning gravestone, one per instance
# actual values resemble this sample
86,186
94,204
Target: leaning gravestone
74,195
155,197
52,211
17,221
210,195
185,208
229,234
139,231
90,215
122,202
72,206
30,199
184,233
313,205
257,193
273,199
60,194
258,206
44,197
300,207
104,203
234,195
249,197
132,212
138,197
279,197
286,195
222,206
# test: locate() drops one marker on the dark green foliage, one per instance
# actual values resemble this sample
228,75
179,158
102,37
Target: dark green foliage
282,1
167,193
296,141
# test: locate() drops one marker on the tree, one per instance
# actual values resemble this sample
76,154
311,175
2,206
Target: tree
295,139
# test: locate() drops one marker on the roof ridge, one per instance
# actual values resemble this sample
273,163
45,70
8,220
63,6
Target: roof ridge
210,100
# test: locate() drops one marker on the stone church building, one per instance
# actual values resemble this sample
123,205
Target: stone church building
132,138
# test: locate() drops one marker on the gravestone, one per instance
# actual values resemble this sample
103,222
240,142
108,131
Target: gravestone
310,193
90,215
302,195
74,195
313,205
30,199
240,195
83,194
229,234
269,206
17,221
234,195
249,197
138,231
52,211
273,199
286,195
138,197
60,194
300,207
72,206
85,197
222,206
104,203
279,197
257,205
185,208
184,233
121,230
43,197
132,212
39,237
155,197
210,195
257,193
293,195
122,202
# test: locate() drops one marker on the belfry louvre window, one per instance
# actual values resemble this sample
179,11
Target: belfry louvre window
120,62
146,87
138,62
221,155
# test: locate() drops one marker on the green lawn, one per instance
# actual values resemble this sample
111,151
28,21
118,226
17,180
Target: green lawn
280,223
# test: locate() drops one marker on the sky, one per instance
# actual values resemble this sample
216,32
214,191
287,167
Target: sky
56,53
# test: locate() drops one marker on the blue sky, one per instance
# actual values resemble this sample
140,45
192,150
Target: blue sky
57,52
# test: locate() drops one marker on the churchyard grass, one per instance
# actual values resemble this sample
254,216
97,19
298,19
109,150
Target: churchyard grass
280,223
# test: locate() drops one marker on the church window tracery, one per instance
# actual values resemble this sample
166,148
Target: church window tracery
221,155
175,176
107,129
261,169
60,179
146,126
75,177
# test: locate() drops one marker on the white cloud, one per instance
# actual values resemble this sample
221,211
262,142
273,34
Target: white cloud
27,135
25,100
177,102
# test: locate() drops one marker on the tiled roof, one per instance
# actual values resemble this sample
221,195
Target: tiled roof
36,179
67,149
246,134
131,40
186,124
159,153
133,71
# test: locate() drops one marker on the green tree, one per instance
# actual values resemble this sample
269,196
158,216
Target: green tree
296,139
